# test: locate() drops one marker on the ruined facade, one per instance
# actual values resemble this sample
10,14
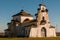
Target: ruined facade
24,25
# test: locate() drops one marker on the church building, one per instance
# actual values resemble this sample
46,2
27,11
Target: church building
23,24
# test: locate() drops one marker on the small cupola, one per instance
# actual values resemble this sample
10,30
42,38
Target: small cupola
42,8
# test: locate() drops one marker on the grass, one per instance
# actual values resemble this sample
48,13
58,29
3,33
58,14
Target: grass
50,38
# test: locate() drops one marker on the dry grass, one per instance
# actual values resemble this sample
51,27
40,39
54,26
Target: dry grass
51,38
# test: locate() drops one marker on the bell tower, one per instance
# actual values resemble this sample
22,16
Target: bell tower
43,23
43,28
42,17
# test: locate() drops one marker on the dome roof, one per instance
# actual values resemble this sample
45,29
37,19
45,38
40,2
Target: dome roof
23,13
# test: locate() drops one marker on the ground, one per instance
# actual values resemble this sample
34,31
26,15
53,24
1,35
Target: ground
51,38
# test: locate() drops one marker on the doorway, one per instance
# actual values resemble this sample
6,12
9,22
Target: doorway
43,32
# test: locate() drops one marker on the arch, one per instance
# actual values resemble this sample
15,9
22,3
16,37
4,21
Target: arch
43,21
43,32
26,20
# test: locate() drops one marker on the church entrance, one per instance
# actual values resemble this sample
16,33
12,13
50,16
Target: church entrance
43,32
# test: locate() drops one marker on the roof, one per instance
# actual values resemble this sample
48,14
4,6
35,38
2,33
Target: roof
29,23
42,5
23,13
15,20
51,26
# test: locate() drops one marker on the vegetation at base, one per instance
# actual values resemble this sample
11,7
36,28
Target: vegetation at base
45,38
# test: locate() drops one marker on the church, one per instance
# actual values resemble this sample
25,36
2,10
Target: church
23,24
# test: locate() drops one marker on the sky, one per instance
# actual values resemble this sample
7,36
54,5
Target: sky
11,7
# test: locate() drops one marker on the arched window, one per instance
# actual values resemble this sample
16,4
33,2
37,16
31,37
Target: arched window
43,21
26,20
46,10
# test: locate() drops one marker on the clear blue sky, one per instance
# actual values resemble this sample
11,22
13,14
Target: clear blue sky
10,7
